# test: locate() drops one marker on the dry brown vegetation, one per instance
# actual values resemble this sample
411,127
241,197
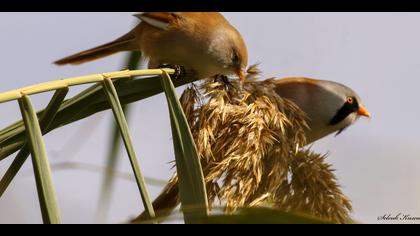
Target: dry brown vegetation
251,145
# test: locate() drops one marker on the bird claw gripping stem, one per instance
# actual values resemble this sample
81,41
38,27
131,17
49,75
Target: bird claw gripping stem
180,72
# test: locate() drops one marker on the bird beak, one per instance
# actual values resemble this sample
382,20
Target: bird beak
241,74
363,112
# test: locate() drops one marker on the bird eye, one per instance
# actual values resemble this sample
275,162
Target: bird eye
350,100
235,58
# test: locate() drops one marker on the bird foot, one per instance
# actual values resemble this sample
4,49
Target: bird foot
180,71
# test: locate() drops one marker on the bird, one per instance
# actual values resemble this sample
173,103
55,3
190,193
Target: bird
204,43
331,107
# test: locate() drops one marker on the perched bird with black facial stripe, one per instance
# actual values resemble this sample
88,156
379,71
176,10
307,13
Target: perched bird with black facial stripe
330,106
203,43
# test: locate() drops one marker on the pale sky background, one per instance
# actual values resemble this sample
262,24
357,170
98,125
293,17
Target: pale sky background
377,54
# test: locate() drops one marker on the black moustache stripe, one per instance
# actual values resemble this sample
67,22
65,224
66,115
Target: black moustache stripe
344,112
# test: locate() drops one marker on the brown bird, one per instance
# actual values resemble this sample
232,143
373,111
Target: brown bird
202,42
330,106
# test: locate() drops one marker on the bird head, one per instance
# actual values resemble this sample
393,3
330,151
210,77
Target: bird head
331,107
229,51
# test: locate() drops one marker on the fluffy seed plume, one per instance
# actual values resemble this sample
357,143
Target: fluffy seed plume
250,144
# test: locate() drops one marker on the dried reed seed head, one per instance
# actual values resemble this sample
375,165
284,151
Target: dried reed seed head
313,188
248,143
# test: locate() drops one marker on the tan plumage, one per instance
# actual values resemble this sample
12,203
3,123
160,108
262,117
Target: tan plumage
203,42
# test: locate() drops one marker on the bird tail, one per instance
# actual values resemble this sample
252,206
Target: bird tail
124,43
164,204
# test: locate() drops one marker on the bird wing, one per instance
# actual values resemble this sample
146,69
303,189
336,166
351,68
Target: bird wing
161,20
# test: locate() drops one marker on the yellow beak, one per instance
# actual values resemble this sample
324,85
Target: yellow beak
241,74
363,112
